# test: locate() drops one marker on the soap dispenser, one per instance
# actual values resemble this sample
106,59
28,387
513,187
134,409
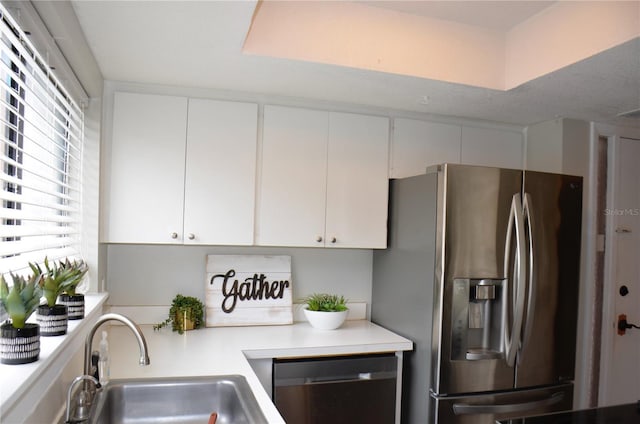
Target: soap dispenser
103,361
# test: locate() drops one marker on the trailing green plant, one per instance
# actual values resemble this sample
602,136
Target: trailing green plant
183,306
21,299
54,280
325,302
76,272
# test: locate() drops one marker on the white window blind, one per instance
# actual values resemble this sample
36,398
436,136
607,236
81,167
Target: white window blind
41,139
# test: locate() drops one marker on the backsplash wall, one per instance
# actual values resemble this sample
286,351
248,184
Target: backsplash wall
151,275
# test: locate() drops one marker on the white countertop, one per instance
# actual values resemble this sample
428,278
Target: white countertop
224,350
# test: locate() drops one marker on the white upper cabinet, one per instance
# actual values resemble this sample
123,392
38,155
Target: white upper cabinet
357,181
420,144
181,171
292,185
324,179
492,147
146,169
220,175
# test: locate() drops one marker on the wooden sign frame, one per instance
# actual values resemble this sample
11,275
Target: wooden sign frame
248,290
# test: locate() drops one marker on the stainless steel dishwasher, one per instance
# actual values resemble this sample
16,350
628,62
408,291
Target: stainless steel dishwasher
345,389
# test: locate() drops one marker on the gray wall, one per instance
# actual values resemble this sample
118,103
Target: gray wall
146,275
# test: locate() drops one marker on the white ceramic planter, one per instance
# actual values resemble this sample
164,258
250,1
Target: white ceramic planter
325,320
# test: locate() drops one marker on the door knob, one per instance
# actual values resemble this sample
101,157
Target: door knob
174,235
191,236
333,239
319,239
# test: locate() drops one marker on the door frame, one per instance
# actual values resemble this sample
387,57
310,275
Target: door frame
608,329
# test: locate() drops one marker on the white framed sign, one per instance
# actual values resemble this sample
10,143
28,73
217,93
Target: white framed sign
248,290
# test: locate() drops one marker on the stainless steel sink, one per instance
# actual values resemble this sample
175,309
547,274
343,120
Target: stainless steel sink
177,400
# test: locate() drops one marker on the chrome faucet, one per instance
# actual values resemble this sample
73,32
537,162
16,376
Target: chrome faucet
85,396
142,343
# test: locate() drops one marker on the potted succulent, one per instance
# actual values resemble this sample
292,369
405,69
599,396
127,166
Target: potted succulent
74,301
325,311
52,317
19,340
186,313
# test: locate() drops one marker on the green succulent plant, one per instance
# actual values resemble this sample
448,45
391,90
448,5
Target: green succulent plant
54,280
76,271
21,299
325,302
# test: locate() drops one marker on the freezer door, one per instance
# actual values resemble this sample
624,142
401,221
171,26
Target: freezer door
474,205
486,409
553,210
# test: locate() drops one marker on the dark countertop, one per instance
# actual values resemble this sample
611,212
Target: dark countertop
619,414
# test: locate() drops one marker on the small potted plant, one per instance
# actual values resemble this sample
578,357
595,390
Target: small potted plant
19,340
186,313
325,311
74,301
52,317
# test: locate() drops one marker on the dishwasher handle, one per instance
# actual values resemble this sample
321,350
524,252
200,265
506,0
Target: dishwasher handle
363,376
358,377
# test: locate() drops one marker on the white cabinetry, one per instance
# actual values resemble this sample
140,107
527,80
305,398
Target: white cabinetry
419,144
146,169
559,146
178,177
491,147
357,181
220,175
324,179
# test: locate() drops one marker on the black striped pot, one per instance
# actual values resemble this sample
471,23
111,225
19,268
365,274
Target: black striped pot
19,345
74,303
53,320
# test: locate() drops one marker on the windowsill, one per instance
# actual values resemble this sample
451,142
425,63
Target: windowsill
16,380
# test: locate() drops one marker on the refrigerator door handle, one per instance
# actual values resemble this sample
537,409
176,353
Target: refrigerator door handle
517,280
507,408
531,302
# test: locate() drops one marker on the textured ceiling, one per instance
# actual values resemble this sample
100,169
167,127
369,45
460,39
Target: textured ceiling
199,44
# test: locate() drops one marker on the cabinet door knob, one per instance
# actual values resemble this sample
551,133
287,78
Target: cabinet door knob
333,239
191,236
319,239
174,235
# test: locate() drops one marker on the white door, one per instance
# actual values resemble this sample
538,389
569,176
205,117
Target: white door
219,198
293,180
357,181
146,169
621,354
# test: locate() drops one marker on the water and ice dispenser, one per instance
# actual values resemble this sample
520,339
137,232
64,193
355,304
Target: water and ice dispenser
478,315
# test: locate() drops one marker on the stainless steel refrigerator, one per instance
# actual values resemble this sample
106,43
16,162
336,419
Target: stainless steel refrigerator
482,273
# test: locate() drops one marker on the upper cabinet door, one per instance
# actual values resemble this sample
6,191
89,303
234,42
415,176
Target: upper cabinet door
420,144
357,181
146,169
293,178
492,147
219,198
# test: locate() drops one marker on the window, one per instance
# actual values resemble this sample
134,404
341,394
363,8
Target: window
40,157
